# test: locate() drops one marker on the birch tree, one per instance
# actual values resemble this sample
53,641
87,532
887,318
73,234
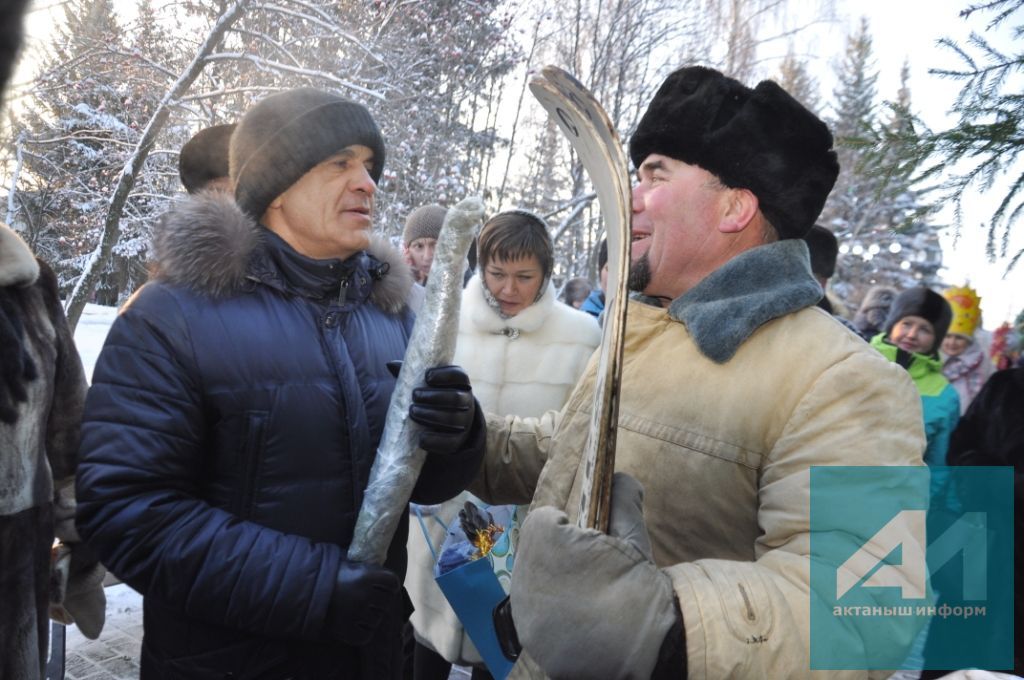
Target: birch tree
424,69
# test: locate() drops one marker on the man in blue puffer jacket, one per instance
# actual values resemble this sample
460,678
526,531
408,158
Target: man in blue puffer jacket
238,403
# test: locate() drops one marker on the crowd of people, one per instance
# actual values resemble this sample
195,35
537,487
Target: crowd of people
219,459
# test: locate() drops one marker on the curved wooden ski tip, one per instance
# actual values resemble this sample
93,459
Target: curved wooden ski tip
588,128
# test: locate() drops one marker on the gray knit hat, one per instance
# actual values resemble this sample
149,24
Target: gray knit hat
423,222
286,135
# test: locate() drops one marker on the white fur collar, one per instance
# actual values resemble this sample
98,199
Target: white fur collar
18,267
476,309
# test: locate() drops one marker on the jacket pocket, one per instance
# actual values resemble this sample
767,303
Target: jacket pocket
250,461
744,597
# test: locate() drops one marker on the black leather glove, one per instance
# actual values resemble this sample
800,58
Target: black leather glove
445,407
363,594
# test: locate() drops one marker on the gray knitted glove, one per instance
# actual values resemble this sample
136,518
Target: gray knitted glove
587,604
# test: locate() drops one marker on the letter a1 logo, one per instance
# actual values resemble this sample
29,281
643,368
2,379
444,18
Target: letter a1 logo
911,568
905,532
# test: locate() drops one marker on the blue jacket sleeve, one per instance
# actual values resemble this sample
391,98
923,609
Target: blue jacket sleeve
139,492
945,410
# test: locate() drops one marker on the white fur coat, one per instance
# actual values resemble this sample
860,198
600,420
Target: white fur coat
528,364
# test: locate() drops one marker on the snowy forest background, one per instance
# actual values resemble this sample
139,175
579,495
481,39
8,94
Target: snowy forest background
91,147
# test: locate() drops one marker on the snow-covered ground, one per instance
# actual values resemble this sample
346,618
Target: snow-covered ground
91,332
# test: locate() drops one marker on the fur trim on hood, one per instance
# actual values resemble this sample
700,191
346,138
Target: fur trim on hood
18,267
205,243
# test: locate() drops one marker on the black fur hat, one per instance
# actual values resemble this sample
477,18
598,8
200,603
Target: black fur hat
824,250
286,135
925,303
760,139
205,157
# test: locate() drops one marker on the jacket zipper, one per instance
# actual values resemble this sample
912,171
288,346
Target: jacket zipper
254,435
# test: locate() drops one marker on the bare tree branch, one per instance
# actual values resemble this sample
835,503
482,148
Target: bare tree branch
111,229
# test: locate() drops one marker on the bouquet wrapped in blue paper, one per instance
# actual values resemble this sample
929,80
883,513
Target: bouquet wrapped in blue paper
474,572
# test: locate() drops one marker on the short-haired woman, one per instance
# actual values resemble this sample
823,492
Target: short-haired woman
524,352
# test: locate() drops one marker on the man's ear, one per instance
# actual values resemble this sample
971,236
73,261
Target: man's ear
741,207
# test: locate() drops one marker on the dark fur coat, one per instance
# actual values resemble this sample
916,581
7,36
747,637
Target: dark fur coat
42,391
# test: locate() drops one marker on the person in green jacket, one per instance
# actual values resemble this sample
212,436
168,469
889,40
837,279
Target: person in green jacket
914,329
912,335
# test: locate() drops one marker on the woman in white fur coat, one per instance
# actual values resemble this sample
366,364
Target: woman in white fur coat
523,351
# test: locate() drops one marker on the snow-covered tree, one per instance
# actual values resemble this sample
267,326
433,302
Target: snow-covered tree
74,136
613,48
880,221
445,62
100,156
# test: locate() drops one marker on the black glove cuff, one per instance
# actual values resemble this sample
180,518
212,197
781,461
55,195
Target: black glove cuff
476,438
672,655
446,475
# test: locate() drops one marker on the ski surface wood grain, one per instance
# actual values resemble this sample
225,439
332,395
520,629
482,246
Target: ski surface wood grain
586,125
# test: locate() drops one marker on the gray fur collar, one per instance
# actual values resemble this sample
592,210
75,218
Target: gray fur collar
18,267
756,286
206,243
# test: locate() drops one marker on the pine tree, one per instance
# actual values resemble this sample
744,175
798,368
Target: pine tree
880,222
985,144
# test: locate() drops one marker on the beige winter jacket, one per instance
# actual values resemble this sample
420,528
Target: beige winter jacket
723,449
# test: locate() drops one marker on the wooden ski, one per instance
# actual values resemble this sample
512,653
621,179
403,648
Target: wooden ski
584,122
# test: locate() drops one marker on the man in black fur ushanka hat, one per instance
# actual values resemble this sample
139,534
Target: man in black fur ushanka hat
734,384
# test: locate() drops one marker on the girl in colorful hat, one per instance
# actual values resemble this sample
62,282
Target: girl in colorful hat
964,362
